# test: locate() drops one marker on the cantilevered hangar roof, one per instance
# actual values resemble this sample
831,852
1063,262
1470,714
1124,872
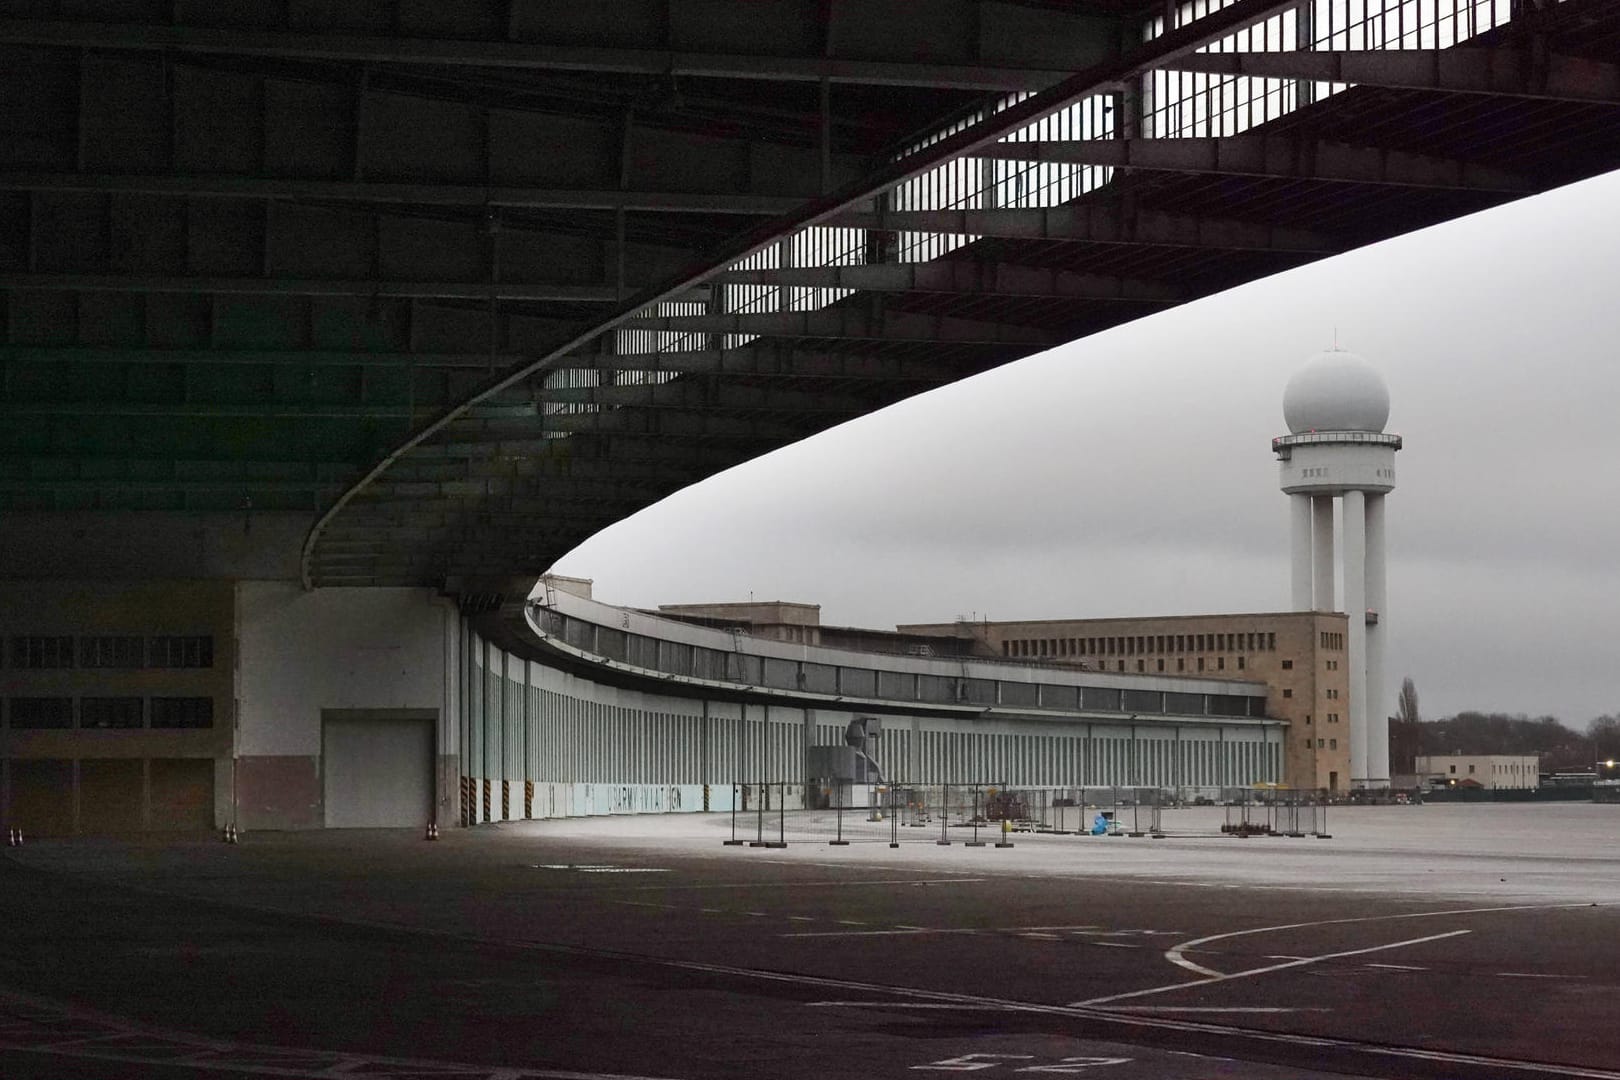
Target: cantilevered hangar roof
466,281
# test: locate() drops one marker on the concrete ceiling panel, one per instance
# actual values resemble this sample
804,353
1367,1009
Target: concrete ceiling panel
452,18
109,318
146,234
677,161
447,328
217,120
15,212
623,23
414,249
308,129
225,236
357,322
543,150
178,320
366,16
70,232
262,322
42,318
411,138
124,115
42,91
933,29
539,257
1016,34
321,241
527,333
780,29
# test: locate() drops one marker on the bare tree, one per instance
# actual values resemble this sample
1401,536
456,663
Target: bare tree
1406,708
1405,737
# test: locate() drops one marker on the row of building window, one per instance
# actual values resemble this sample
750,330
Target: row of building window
1181,664
1332,641
1140,644
39,652
105,713
1331,744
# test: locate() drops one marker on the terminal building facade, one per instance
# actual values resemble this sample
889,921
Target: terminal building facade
186,704
1298,656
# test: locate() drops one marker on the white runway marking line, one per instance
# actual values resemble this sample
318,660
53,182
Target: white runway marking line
1533,975
812,884
1112,945
902,929
1218,1008
1250,973
1398,967
1176,955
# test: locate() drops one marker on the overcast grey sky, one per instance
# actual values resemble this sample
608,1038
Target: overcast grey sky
1130,473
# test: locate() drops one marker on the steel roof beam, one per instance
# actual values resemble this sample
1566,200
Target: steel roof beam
148,486
1270,156
665,424
708,394
535,56
405,194
76,354
1101,225
268,410
848,323
1502,72
270,286
963,276
779,361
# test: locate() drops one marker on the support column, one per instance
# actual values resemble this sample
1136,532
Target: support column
1375,691
1299,520
1355,606
1322,558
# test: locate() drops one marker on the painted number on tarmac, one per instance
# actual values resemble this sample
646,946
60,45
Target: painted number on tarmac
975,1062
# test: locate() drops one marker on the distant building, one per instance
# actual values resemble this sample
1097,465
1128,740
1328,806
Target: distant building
1300,656
1490,771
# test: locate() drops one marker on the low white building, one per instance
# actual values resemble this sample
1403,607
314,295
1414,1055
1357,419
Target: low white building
1480,770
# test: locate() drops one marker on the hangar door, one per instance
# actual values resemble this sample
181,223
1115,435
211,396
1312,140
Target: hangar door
377,767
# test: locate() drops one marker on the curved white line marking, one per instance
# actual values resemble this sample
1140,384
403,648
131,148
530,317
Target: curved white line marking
1176,954
1217,977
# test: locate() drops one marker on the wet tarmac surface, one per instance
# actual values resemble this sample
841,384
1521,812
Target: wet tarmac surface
1460,944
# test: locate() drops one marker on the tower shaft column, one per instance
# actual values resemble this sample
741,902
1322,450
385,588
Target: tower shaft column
1373,694
1322,535
1355,609
1299,516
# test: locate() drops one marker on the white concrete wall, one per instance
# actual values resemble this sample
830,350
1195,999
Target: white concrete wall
302,652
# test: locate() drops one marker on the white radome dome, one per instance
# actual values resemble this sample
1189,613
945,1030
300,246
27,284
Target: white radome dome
1336,391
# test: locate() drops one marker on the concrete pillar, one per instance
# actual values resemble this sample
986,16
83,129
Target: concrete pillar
1375,693
1322,557
1299,519
1355,606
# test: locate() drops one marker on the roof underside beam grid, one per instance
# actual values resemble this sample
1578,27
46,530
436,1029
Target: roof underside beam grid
1100,224
294,358
959,276
710,394
620,437
1502,72
1094,37
403,194
1280,157
850,324
277,286
782,360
